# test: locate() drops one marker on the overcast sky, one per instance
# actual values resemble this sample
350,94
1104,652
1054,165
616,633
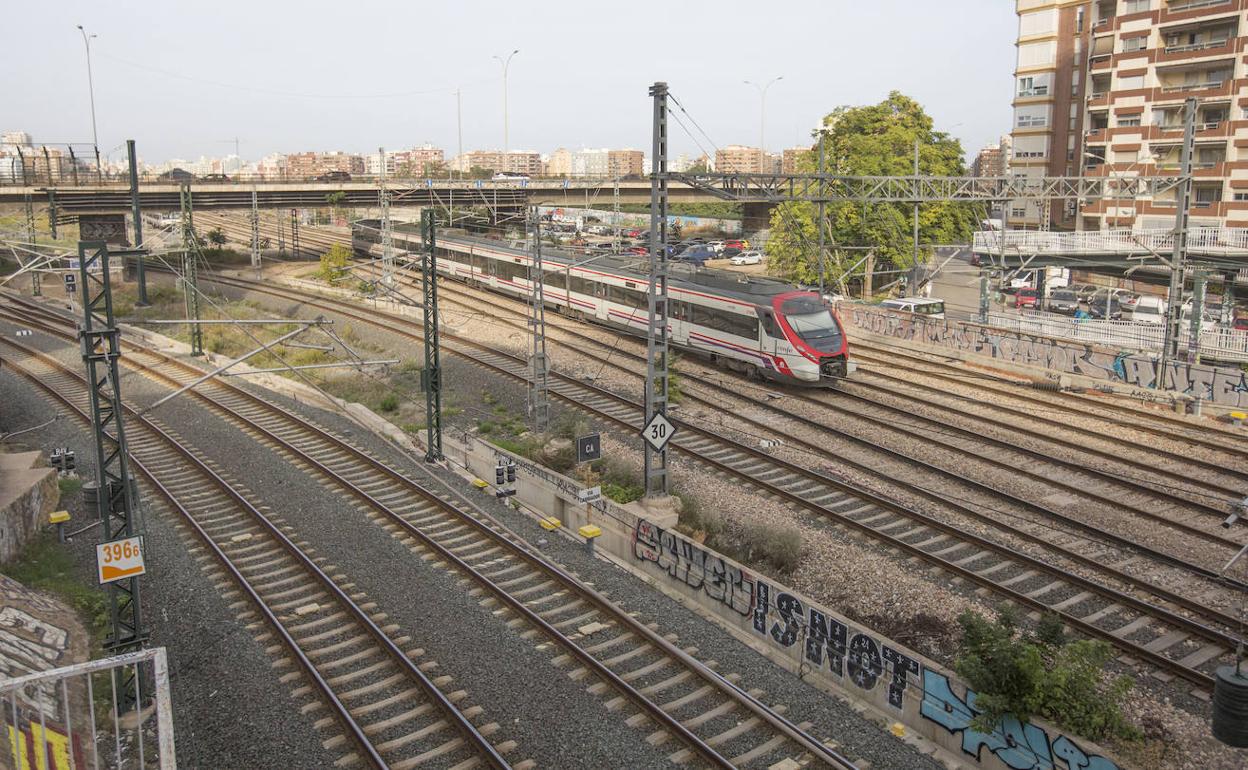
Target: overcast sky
181,78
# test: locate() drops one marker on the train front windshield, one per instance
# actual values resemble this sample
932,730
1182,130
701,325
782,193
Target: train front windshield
811,320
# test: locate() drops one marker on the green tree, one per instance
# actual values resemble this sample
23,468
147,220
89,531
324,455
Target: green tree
334,262
216,237
699,166
875,140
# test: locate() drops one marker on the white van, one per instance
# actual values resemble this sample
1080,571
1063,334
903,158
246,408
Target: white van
933,308
1149,310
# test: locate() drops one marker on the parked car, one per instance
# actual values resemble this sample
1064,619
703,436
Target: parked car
737,244
728,252
334,176
1105,308
641,250
697,255
1146,309
925,306
1085,291
715,246
1026,297
214,178
748,258
1240,323
1063,301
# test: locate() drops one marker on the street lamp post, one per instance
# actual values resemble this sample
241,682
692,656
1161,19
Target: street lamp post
95,138
762,117
506,63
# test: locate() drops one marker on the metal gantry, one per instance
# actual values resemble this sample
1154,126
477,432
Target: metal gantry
190,272
431,375
657,358
36,277
539,369
115,493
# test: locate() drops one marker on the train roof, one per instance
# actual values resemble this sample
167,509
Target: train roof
740,286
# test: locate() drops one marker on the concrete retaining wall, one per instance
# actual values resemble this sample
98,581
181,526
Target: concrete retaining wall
889,680
28,493
1134,373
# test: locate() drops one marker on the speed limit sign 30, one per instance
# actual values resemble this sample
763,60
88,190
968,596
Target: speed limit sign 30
119,559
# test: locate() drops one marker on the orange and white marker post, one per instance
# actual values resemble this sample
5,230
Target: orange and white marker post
119,559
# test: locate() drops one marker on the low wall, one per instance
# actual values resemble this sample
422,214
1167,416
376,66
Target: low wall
815,643
1219,385
28,493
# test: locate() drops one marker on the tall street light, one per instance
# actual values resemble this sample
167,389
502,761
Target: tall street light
762,116
95,138
506,64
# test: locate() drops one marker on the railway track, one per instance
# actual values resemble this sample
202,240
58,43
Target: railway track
671,693
1163,629
391,712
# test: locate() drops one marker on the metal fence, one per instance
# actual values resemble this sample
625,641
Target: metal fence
67,718
1216,342
1199,239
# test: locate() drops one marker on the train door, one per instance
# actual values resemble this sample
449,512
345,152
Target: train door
678,318
600,301
769,333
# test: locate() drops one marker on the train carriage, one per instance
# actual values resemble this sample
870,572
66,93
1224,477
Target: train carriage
758,326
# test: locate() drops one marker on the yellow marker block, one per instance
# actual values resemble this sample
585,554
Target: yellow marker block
590,531
1241,416
58,517
480,483
898,729
550,522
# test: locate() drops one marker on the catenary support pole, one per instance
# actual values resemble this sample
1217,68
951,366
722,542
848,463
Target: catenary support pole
255,232
1178,258
190,271
914,270
656,477
822,214
539,400
136,210
114,493
36,277
387,227
431,376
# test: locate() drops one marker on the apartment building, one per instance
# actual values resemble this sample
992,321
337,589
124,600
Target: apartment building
513,162
1049,89
790,159
1120,71
1147,58
301,165
622,163
992,160
736,159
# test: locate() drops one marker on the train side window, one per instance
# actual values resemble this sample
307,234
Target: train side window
769,325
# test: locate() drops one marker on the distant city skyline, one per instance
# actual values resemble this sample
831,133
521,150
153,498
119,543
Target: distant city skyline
186,80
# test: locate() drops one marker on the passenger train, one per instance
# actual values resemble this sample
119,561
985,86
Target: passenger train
758,326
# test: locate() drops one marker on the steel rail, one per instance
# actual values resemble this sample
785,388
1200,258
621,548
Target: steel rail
520,549
452,713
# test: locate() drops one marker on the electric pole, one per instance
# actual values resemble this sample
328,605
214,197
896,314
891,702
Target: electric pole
255,232
136,210
1178,258
387,231
36,277
822,212
431,375
114,493
914,270
656,339
539,402
190,272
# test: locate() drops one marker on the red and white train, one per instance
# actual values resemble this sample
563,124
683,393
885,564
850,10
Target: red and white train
759,326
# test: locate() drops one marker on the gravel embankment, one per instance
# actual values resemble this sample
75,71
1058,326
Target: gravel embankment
230,709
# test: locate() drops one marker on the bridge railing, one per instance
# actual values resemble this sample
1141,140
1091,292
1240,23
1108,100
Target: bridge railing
1205,239
1215,341
13,175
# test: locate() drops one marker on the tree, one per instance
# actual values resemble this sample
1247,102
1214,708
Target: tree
699,166
216,237
876,140
334,262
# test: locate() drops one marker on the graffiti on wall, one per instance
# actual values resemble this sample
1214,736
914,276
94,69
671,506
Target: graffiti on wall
28,645
1220,385
856,658
697,568
40,746
1019,745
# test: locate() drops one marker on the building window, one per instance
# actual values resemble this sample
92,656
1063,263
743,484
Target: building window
1033,86
1135,43
1136,6
1018,211
1128,121
1241,196
1079,19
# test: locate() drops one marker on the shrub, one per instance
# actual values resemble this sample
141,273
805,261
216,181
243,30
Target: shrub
781,547
623,493
1029,675
69,484
334,263
389,403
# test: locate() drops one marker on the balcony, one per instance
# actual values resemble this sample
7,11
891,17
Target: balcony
1179,6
